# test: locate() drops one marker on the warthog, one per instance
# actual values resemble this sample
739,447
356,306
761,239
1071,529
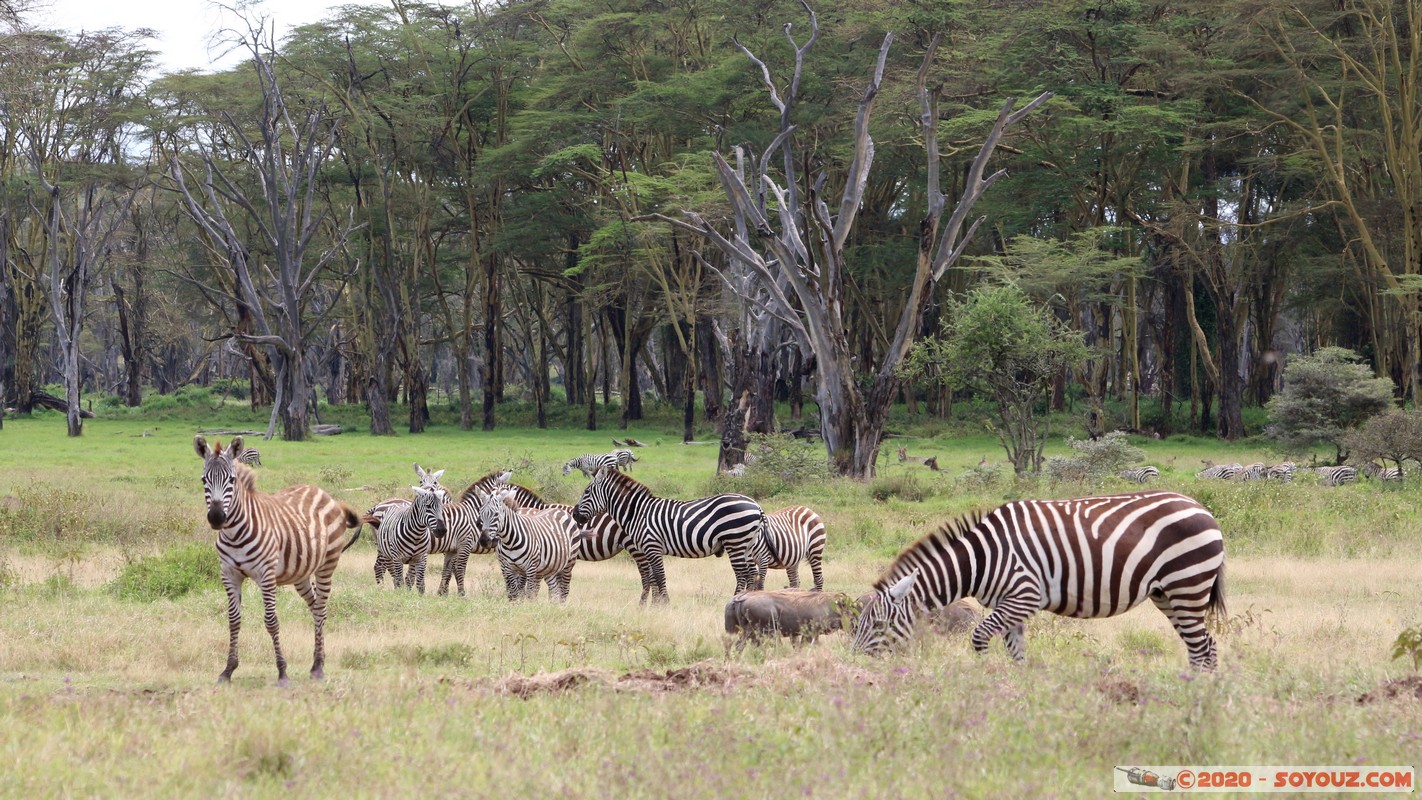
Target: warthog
788,612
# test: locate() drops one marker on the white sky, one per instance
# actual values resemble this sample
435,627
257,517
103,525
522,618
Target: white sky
184,26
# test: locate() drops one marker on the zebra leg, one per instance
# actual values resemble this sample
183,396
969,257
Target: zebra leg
1186,612
380,569
565,583
232,582
748,572
792,573
1007,619
657,572
530,586
269,615
459,566
418,568
316,601
446,573
817,570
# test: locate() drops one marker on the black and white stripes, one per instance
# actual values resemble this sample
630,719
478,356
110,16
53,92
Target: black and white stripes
1086,558
793,534
1140,474
590,464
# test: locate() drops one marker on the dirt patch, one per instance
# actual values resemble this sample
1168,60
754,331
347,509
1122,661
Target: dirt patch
1121,692
702,676
1409,688
526,686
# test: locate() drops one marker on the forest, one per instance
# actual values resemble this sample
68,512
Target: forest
715,206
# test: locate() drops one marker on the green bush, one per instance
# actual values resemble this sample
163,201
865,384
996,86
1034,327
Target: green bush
903,485
1094,459
189,568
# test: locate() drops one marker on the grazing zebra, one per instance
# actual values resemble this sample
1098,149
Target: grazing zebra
658,526
1282,472
793,534
1224,472
533,544
404,529
1378,472
1086,558
619,459
1336,476
250,456
1140,474
292,537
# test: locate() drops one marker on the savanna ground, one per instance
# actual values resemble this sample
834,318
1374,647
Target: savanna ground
112,631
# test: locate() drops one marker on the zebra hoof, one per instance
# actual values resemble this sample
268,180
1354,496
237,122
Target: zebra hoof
283,682
225,677
318,674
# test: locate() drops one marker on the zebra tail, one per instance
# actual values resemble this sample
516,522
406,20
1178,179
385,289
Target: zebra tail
1216,606
353,520
765,537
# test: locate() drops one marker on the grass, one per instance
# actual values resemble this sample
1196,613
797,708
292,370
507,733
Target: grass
107,692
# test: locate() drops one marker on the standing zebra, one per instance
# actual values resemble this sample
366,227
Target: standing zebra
462,535
793,534
657,527
589,464
1086,558
376,513
403,533
1140,474
250,456
1336,476
533,544
292,537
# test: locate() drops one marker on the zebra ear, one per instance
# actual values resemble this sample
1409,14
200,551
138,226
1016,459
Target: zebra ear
420,471
905,584
436,476
506,476
235,446
200,445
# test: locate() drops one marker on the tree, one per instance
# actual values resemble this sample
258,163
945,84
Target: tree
1324,396
1394,435
997,341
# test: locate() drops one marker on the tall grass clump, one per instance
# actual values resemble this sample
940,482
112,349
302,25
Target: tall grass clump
169,575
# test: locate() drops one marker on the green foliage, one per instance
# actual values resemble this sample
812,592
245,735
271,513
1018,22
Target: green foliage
1095,459
169,575
903,485
1409,645
1325,395
1394,435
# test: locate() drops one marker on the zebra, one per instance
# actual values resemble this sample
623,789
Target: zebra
1282,472
1087,558
294,537
1336,476
250,456
791,535
1252,472
374,515
620,459
462,534
1376,471
404,529
658,526
599,540
1225,472
1140,474
534,544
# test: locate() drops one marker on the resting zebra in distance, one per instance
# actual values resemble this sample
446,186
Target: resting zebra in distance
792,534
618,459
403,530
250,456
1282,472
1378,472
534,544
1336,476
1252,472
1224,472
293,537
660,526
1086,558
1140,474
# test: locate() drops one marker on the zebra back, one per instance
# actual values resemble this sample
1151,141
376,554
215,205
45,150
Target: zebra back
250,456
685,528
1282,472
1140,474
1226,472
1337,476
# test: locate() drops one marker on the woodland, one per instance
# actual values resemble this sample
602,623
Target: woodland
712,205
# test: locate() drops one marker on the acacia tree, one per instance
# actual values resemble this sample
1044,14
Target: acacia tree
795,247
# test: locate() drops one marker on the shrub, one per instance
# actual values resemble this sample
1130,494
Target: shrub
189,568
1324,396
785,458
903,485
1393,435
979,477
1094,459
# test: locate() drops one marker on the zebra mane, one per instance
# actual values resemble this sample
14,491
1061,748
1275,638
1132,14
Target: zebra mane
244,475
626,481
904,562
486,484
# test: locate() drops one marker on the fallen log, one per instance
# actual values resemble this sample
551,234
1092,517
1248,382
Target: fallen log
49,401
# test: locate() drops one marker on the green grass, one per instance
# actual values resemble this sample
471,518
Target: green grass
112,632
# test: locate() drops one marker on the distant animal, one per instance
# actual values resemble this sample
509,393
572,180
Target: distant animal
1224,472
1086,558
793,534
904,457
588,464
534,544
1253,472
628,442
932,463
660,526
403,530
293,537
1378,472
251,456
1336,476
1282,472
803,615
1140,474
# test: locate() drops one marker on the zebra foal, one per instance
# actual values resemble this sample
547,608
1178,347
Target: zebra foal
293,537
1087,558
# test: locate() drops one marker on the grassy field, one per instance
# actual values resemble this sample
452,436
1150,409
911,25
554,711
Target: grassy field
112,632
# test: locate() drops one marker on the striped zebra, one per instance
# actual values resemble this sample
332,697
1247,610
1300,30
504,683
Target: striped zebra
403,531
1086,558
589,464
1282,472
1375,471
534,544
295,536
793,534
599,540
462,534
250,456
658,527
1140,474
1223,472
1336,476
1252,472
376,513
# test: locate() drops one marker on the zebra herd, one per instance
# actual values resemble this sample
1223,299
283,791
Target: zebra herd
1286,471
1086,558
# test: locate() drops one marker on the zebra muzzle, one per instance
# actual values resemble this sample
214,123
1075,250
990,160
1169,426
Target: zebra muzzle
216,516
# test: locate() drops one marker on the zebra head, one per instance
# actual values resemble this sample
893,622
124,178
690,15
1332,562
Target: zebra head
493,511
594,499
568,467
886,616
430,479
219,478
429,509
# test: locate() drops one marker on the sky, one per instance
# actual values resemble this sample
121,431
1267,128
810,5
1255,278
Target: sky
184,26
